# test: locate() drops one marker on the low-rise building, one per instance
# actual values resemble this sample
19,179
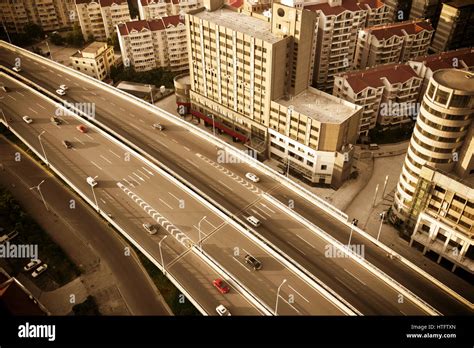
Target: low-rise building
94,60
392,43
387,94
156,43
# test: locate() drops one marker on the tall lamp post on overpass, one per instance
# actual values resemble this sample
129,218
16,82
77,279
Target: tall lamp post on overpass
278,295
161,254
49,49
4,117
151,95
382,217
42,147
38,187
199,229
93,193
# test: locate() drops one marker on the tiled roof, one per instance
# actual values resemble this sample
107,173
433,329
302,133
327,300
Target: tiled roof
148,2
386,31
152,25
444,60
103,3
347,5
394,73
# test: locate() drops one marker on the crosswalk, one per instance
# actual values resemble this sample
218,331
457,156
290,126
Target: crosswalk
230,174
161,220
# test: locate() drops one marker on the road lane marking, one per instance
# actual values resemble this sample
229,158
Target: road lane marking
141,120
36,63
133,179
260,209
79,140
256,212
76,84
67,79
148,171
131,124
289,304
228,187
162,201
172,195
87,135
345,283
103,201
33,111
187,148
84,88
122,109
106,159
304,240
294,246
133,115
59,75
240,263
192,163
94,94
176,141
292,288
41,106
266,206
12,97
20,93
128,182
146,176
114,153
138,176
355,277
96,165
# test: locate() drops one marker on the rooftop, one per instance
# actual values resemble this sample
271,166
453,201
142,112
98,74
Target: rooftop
386,31
240,22
455,79
394,73
103,3
347,5
320,106
151,25
444,60
460,3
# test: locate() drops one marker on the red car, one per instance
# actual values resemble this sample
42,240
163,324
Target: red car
81,128
221,286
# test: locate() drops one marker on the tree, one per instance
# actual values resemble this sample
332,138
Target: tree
33,31
57,39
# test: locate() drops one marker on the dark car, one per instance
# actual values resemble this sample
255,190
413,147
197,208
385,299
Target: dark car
253,262
56,120
67,144
221,286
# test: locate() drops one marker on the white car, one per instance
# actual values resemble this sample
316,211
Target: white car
252,176
253,220
61,91
16,68
91,181
222,311
31,265
27,119
151,229
39,270
63,87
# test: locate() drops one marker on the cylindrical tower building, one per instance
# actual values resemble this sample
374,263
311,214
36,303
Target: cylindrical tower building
445,116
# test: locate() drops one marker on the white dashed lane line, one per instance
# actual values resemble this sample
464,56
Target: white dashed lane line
96,165
162,201
114,154
41,106
33,111
304,240
106,159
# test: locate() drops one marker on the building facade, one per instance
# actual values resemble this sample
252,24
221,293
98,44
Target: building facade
444,212
427,9
442,138
392,43
94,60
455,26
153,9
157,43
48,14
99,18
387,94
338,25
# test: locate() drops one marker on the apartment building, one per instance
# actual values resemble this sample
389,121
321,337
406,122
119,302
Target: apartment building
151,9
425,66
249,73
392,43
99,18
387,94
338,25
455,26
443,207
426,9
156,43
442,138
95,60
48,14
399,10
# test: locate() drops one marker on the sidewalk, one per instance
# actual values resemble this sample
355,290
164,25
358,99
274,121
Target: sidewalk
86,239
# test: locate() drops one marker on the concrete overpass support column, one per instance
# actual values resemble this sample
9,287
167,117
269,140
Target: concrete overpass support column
448,238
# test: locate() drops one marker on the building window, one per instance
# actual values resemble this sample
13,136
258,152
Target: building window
324,167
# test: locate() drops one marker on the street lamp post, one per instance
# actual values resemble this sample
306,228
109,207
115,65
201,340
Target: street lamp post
213,125
161,254
278,295
199,229
151,95
38,187
4,117
42,147
382,217
49,49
